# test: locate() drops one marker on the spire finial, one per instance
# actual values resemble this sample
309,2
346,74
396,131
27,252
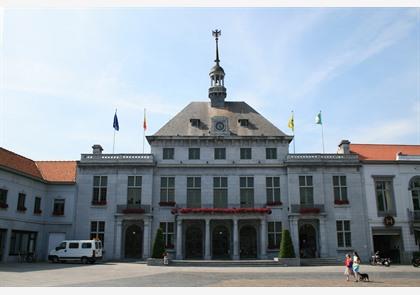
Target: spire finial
216,34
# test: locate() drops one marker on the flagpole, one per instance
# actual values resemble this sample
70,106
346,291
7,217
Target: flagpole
294,141
144,118
113,144
322,130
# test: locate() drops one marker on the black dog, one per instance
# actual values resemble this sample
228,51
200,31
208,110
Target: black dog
364,277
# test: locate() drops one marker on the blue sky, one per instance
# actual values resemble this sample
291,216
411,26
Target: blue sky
65,71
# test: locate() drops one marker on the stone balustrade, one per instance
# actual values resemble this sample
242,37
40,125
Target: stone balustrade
321,157
117,158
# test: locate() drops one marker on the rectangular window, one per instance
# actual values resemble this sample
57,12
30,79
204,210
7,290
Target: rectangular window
271,153
246,153
22,242
99,190
220,154
343,233
273,190
340,188
384,196
167,189
58,208
220,192
194,153
193,192
168,234
306,190
73,245
86,245
97,230
168,153
274,234
247,191
3,198
37,205
134,191
21,202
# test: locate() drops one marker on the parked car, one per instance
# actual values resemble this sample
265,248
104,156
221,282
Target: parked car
85,251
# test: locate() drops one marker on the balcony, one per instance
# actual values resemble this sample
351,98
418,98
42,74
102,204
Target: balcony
133,209
307,209
299,158
210,209
116,159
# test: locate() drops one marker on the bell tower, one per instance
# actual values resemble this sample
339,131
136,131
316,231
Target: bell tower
217,90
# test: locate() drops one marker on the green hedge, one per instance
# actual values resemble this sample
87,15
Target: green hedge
286,245
158,245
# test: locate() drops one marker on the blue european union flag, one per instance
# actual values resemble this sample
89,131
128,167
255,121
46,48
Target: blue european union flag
115,125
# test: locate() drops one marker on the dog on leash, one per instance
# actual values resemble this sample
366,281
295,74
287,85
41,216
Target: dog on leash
364,277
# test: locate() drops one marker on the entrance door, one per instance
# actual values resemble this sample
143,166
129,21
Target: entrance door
2,242
194,243
248,242
220,242
54,239
388,246
133,242
307,241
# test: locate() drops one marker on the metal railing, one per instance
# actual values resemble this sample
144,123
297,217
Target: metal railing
133,209
307,208
121,158
231,205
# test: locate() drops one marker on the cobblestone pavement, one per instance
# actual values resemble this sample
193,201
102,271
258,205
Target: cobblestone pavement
120,274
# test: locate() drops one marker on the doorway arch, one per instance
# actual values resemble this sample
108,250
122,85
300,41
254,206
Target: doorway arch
194,242
133,247
307,241
220,242
248,242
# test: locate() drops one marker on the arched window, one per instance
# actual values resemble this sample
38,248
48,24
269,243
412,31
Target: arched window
414,187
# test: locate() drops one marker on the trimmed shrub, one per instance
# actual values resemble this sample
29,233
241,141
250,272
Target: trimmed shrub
158,245
286,245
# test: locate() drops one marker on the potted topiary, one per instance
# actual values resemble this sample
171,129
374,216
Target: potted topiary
158,249
287,253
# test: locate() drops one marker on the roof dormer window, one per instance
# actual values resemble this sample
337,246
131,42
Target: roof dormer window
243,122
195,122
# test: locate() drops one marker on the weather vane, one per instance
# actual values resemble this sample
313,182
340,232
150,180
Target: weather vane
217,33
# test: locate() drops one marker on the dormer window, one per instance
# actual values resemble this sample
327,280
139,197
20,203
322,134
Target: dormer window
243,122
195,122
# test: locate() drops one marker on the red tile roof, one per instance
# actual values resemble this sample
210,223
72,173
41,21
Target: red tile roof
383,152
50,171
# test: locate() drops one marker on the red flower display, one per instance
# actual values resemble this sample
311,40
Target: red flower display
167,203
21,208
341,202
99,203
4,205
133,211
275,203
309,210
221,210
58,213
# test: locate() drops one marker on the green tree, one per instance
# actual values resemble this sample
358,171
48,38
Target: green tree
158,245
286,245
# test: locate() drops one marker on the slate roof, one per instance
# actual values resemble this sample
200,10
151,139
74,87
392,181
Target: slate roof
48,171
233,110
383,152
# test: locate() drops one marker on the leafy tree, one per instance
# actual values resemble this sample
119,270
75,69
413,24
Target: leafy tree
158,245
286,245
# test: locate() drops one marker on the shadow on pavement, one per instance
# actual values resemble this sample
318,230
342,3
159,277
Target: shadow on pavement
41,266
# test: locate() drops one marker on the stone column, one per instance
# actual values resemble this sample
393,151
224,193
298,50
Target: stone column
263,239
118,239
323,245
179,239
6,248
235,240
207,255
146,238
294,233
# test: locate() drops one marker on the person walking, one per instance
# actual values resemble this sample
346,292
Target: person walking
356,265
348,262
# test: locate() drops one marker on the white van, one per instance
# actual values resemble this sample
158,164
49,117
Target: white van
84,251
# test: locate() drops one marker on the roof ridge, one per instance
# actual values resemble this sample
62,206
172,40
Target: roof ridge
43,161
390,144
9,151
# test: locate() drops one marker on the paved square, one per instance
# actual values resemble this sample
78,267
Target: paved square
119,274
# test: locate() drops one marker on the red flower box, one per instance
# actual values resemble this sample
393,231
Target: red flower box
167,203
275,203
309,210
222,210
99,203
341,202
21,209
133,211
58,213
38,212
4,205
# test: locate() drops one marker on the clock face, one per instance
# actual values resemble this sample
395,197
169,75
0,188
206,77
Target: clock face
220,126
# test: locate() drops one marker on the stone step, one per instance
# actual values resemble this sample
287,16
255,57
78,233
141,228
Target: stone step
320,261
225,263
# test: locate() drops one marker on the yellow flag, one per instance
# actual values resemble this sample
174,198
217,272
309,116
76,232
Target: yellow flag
291,123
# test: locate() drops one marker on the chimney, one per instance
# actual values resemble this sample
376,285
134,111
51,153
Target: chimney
344,147
97,149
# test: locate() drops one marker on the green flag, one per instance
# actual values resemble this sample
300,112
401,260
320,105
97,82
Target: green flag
318,119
